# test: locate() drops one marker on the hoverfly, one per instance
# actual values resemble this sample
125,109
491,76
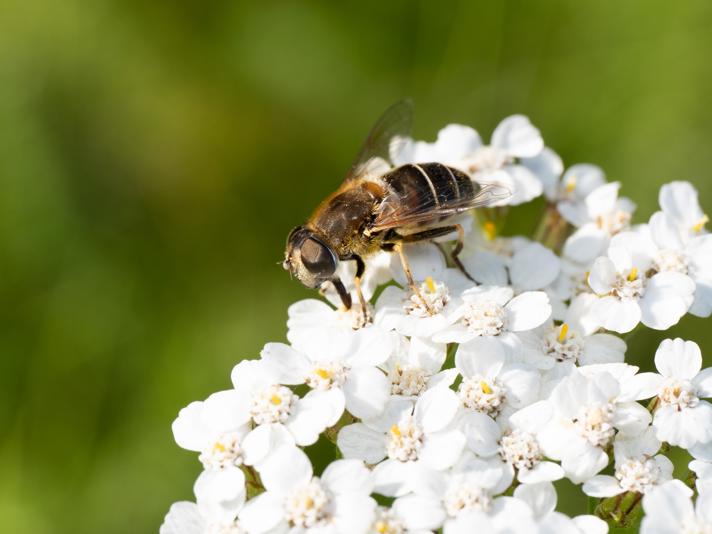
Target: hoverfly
382,207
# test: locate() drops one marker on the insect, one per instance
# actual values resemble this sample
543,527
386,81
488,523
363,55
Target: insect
382,207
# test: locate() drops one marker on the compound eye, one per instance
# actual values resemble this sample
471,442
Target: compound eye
318,258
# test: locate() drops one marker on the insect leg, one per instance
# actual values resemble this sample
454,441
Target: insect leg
360,268
438,232
455,254
343,294
409,276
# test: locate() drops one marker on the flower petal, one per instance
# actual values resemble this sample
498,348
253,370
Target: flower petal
678,358
367,391
667,298
359,441
442,449
183,518
419,512
287,468
602,486
518,137
344,476
263,513
527,310
602,276
534,267
436,408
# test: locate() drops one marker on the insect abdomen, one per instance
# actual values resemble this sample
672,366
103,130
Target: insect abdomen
430,186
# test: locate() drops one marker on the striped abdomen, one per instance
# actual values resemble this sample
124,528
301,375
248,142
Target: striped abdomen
424,192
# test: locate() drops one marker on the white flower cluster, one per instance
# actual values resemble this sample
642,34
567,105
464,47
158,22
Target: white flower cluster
456,407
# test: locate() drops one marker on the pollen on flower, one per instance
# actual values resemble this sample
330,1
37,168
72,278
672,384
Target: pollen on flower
326,376
435,294
482,395
668,260
563,344
463,496
700,225
354,317
614,222
629,286
520,449
638,474
387,523
570,184
223,452
405,440
490,230
679,394
308,506
272,405
407,380
594,424
633,274
484,318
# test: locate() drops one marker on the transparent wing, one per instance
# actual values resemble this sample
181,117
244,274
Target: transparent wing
390,131
396,211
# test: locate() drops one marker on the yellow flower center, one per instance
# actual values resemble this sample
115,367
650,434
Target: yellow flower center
633,274
571,184
485,387
322,373
276,400
562,332
697,227
490,230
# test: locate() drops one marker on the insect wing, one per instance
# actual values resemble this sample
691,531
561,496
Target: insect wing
395,211
391,131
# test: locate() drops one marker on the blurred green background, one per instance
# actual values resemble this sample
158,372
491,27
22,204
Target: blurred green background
154,155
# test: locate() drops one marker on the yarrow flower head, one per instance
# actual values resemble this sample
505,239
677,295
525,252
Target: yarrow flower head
475,369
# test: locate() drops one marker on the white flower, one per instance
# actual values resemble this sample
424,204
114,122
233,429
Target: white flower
423,314
517,446
220,495
495,311
702,466
440,497
264,402
669,510
586,412
390,521
571,286
629,296
339,500
637,468
577,183
218,430
681,417
567,343
601,215
690,255
338,365
460,146
547,167
533,267
411,436
679,202
489,384
542,498
415,366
